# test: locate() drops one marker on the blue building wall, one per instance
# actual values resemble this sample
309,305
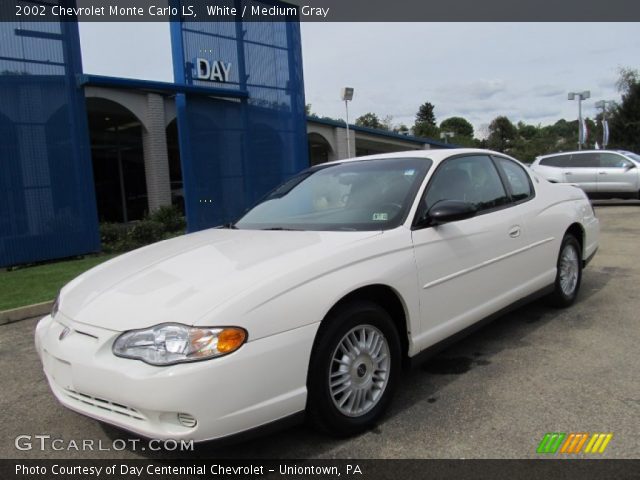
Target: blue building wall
47,199
238,139
234,150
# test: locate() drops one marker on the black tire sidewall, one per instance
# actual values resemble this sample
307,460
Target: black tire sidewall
560,298
323,413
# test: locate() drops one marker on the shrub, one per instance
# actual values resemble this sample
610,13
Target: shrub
166,222
113,237
145,232
170,217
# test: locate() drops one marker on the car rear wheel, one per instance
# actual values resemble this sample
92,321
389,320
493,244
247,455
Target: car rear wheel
569,273
353,369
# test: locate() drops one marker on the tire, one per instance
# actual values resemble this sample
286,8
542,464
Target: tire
569,273
336,368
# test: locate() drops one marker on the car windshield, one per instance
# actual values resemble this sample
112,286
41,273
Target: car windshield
350,196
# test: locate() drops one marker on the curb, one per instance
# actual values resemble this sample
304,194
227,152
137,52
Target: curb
22,313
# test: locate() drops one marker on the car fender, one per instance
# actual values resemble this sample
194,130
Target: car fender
306,297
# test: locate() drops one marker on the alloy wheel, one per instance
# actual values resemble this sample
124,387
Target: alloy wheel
359,370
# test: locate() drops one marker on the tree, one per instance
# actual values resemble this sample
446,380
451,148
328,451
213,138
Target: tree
425,125
387,122
425,114
627,78
307,110
502,133
458,125
528,132
402,129
624,124
370,120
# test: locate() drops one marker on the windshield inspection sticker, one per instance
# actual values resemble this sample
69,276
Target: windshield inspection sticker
410,172
380,217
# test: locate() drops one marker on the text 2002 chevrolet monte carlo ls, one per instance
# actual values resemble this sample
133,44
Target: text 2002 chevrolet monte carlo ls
314,299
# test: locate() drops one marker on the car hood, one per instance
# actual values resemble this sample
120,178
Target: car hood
182,279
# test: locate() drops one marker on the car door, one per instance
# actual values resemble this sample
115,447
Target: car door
616,174
583,171
467,268
538,256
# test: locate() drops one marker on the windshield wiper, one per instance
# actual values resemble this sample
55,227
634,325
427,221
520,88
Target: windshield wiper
230,226
282,229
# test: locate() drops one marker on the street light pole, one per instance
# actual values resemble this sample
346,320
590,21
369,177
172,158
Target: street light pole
580,127
347,96
346,107
581,130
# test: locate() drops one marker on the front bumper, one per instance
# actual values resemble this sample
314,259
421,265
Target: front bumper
263,381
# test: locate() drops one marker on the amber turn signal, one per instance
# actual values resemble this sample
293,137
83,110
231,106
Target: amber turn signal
231,339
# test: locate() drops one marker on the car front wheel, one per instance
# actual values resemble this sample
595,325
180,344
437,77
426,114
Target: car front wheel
353,369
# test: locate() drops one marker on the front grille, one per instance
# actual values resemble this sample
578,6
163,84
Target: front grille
105,405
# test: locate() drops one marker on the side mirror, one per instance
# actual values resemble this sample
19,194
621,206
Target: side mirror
446,211
629,166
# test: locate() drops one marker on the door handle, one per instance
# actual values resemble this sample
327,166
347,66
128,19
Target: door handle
602,173
514,232
568,173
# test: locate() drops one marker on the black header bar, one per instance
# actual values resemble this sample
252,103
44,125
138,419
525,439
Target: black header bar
321,10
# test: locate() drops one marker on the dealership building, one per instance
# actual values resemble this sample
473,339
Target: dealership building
106,122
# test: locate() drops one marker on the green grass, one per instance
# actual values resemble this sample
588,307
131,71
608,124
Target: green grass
41,283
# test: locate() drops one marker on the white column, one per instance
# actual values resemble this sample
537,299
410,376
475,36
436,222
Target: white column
341,151
156,157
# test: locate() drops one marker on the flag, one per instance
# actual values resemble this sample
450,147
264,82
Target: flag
584,134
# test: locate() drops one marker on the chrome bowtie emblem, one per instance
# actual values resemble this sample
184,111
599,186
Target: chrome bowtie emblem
63,334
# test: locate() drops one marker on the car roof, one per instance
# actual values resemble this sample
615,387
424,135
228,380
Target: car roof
583,151
435,155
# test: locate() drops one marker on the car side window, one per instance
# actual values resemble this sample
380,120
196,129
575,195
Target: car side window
585,160
611,160
517,179
472,179
556,161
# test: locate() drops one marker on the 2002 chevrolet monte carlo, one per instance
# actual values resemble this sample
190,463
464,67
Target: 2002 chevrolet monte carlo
315,299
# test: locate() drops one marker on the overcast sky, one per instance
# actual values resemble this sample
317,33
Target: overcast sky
473,70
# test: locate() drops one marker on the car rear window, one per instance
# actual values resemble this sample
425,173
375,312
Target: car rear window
556,161
517,178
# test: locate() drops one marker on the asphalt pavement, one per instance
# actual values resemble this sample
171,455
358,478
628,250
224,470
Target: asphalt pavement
492,395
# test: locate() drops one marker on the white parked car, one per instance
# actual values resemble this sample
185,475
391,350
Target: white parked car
315,298
600,173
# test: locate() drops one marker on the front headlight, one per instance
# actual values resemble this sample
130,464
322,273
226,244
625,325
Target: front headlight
172,343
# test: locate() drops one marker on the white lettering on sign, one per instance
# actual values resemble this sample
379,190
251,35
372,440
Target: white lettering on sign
217,71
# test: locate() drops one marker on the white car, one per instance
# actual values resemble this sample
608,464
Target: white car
314,300
600,173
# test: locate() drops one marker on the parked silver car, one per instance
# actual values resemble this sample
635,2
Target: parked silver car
600,173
